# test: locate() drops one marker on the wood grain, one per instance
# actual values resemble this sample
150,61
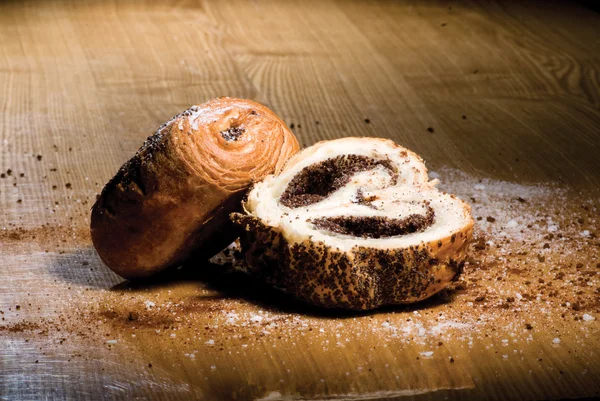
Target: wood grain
510,90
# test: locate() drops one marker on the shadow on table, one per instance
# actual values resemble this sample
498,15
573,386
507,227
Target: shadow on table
81,266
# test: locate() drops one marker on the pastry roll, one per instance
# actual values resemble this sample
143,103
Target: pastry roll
174,197
354,223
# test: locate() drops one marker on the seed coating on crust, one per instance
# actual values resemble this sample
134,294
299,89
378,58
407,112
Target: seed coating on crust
365,278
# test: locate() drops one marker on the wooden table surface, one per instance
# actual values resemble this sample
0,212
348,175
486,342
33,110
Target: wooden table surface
502,99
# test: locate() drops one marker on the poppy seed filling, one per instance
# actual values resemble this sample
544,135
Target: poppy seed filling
376,226
315,182
232,134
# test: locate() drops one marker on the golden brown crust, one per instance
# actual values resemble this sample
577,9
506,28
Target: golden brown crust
175,195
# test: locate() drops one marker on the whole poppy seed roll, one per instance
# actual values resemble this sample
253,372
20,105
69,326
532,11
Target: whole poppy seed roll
173,198
354,223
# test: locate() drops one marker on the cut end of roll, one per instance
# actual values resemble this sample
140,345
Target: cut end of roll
355,223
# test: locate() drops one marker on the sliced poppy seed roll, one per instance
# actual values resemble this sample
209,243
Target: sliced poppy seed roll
355,223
